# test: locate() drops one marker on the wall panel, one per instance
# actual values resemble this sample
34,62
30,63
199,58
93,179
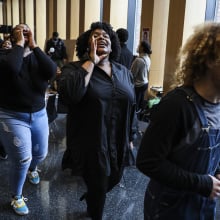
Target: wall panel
29,13
1,17
40,21
158,42
183,16
92,12
61,18
106,10
74,19
15,12
21,11
194,14
1,13
119,13
174,39
8,12
50,18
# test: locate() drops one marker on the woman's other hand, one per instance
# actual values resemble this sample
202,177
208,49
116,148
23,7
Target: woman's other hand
31,41
96,59
18,36
215,188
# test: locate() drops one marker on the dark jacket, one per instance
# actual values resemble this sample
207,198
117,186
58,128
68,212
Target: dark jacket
126,56
100,116
60,49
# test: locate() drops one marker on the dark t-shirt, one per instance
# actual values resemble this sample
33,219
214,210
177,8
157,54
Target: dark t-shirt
126,56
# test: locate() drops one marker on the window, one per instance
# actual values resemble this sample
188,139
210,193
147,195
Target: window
217,11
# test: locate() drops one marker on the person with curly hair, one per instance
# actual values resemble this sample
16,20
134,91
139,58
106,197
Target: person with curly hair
99,93
180,150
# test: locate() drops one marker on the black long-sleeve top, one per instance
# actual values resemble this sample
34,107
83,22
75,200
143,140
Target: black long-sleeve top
100,116
174,126
24,80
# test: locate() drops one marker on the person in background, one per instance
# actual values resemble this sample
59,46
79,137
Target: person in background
126,56
100,96
1,40
140,69
6,44
180,150
56,49
25,71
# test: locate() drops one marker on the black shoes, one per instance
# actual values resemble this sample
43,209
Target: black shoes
3,155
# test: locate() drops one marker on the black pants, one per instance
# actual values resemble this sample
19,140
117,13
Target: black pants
2,150
140,93
98,184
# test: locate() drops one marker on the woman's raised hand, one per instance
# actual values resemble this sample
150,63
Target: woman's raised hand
92,54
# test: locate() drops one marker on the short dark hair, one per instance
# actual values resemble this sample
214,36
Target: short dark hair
82,42
55,34
122,34
146,47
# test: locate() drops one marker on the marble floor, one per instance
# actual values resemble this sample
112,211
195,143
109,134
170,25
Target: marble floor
57,195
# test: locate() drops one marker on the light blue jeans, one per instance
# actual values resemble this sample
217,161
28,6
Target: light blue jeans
25,138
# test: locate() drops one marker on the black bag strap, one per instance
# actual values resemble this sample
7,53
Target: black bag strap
145,64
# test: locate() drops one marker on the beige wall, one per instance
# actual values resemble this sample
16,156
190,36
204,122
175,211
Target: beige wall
147,16
1,17
61,18
183,16
15,12
8,13
118,13
158,42
29,13
74,21
1,14
92,12
174,39
194,14
40,22
50,19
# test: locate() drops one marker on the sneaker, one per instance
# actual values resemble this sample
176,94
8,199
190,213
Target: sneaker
33,177
138,111
3,156
19,206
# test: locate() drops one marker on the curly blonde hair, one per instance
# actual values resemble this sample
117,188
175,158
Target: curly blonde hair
202,46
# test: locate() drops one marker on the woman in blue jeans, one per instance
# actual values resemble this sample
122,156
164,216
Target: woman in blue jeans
25,72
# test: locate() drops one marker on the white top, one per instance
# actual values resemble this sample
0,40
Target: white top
140,69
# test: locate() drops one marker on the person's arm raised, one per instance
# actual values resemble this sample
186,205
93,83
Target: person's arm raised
93,60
